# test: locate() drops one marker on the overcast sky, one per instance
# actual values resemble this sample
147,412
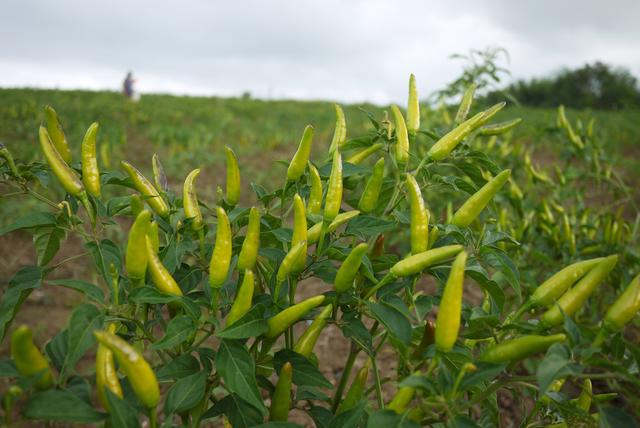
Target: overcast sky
326,49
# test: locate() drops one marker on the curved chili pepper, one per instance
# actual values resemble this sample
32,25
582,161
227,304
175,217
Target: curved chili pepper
356,391
159,176
6,154
106,374
465,104
514,350
371,193
299,233
314,204
90,171
286,318
413,108
558,283
357,158
301,157
140,182
584,399
573,299
418,262
281,399
349,268
313,234
286,267
402,136
28,359
244,296
499,128
221,256
419,217
141,377
233,177
308,340
340,132
67,177
136,258
334,189
159,274
447,143
154,236
479,200
401,400
190,200
625,307
450,309
56,133
251,244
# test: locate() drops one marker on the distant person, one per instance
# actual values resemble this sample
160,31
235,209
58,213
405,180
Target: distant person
127,87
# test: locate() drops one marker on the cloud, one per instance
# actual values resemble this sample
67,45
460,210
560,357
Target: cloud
348,51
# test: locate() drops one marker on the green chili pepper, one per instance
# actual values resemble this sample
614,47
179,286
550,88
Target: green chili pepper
159,274
402,136
90,171
356,391
285,319
159,177
450,309
136,256
141,377
573,299
499,128
357,158
625,307
419,217
340,132
244,296
67,177
349,268
334,189
140,182
308,340
371,193
221,256
154,236
106,374
136,204
413,108
584,399
314,204
251,244
401,400
313,234
6,154
281,399
286,267
418,262
28,359
299,233
479,200
514,350
564,123
446,144
559,282
190,200
299,161
465,104
233,177
56,133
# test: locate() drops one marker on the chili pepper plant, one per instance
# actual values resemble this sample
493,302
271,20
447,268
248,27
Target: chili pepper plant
440,240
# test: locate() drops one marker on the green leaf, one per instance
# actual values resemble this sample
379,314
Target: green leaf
484,373
392,319
181,366
47,243
304,372
611,417
389,419
121,413
366,226
237,369
252,324
240,413
179,329
151,295
501,261
8,368
20,286
38,219
56,349
186,393
556,364
84,320
352,418
92,291
104,254
60,405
